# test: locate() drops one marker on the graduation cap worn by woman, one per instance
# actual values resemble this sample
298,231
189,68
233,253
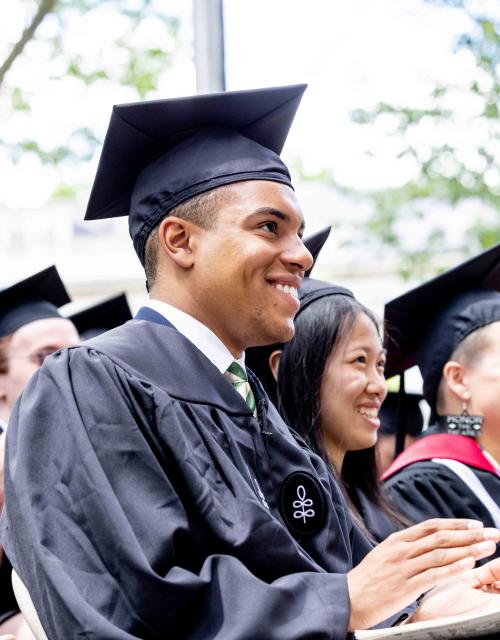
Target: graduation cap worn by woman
449,328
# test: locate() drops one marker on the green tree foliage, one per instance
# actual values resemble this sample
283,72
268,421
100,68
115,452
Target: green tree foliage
452,173
125,60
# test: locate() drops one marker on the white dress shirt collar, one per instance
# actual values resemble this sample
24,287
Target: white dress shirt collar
200,335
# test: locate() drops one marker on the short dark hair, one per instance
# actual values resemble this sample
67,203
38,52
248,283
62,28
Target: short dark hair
201,210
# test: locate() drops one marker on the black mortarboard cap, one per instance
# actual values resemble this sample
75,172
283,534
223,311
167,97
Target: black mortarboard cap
312,290
391,409
159,154
102,317
426,324
314,244
34,298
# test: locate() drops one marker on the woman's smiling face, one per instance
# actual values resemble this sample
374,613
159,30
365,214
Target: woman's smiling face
352,390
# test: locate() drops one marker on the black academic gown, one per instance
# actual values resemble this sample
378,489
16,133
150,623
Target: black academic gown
426,489
144,500
8,604
377,522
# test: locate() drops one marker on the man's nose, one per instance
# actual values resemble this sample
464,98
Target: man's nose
298,255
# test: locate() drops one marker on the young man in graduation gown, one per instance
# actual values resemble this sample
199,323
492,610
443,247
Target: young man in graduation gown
31,327
167,498
449,326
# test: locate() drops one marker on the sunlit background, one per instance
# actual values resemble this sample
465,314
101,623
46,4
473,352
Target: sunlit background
396,143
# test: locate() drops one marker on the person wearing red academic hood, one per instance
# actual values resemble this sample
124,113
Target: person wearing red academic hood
450,327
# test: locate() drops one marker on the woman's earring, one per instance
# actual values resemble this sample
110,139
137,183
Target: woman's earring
463,424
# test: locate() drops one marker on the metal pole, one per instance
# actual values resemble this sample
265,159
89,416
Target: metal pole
209,46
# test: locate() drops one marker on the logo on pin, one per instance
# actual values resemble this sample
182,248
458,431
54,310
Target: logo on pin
303,504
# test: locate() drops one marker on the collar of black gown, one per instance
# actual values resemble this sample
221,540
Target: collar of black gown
428,323
159,154
35,298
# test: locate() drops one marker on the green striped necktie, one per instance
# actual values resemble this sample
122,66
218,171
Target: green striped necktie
237,376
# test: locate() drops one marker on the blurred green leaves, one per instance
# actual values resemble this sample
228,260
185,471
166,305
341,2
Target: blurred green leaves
456,173
142,43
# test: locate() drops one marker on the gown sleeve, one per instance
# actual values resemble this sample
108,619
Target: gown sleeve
96,524
429,490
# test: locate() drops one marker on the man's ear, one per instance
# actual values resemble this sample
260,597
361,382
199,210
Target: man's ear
175,237
455,378
274,362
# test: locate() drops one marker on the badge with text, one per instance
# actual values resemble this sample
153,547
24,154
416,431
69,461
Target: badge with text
303,504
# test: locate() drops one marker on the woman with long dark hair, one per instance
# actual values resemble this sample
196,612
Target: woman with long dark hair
330,389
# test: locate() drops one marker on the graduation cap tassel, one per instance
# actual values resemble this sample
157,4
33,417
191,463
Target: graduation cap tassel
402,417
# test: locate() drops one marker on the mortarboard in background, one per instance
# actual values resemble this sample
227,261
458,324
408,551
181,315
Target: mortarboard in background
33,298
102,317
160,153
426,325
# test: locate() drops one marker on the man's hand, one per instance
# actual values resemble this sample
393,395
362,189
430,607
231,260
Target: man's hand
415,560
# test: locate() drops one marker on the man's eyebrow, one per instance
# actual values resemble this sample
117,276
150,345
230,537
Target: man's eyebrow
277,213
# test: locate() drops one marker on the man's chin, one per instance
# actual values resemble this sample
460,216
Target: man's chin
276,334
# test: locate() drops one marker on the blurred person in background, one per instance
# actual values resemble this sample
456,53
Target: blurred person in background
31,328
387,434
450,327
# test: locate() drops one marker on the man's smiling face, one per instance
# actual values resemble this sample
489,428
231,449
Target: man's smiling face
249,265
